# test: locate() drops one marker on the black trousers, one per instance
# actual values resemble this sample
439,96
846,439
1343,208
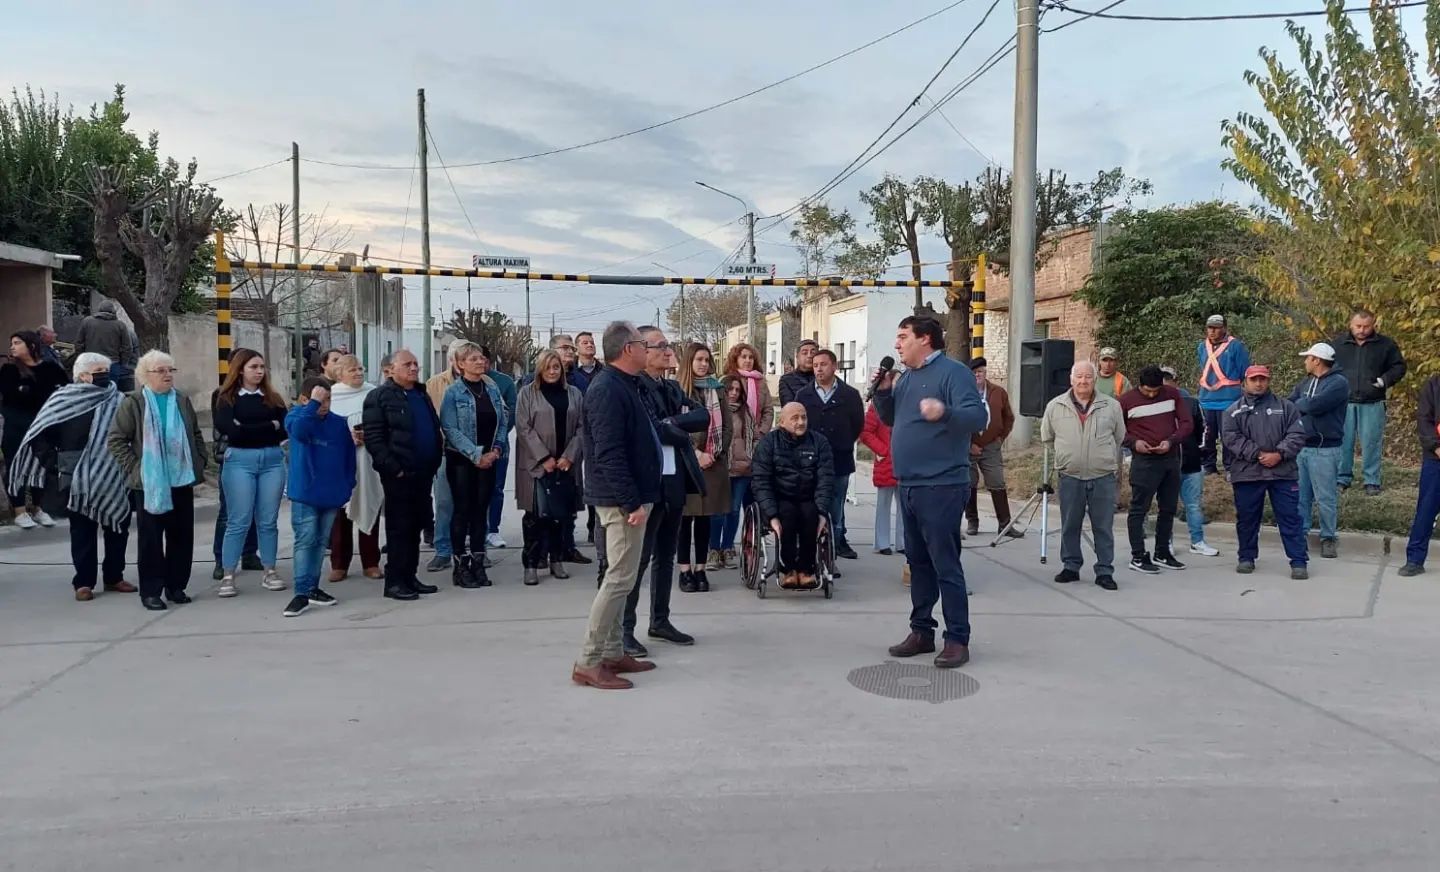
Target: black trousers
662,529
470,491
696,529
543,541
799,528
167,543
83,550
407,510
1153,477
1210,447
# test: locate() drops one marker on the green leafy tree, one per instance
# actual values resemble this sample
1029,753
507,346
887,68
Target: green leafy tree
895,213
711,310
1347,164
820,234
863,260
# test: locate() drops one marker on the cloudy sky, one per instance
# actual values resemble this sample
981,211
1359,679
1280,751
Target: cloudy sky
233,87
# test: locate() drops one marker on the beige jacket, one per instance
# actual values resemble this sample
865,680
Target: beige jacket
1089,450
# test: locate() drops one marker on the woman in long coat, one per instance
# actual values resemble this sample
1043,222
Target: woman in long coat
712,450
547,442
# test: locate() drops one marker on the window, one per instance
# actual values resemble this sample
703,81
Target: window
1047,329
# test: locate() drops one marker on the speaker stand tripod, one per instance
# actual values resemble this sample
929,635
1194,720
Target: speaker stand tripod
1039,503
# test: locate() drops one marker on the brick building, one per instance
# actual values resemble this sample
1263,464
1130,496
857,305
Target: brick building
1058,315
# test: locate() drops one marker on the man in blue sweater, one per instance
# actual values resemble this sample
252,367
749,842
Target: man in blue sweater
933,408
322,476
1321,397
1223,360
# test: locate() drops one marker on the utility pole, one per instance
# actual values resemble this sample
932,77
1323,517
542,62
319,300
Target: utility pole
426,326
680,321
552,328
469,306
529,333
750,298
1022,219
299,341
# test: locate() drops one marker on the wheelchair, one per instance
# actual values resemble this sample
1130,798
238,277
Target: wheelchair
760,556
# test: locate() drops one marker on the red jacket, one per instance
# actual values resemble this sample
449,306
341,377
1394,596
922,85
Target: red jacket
876,436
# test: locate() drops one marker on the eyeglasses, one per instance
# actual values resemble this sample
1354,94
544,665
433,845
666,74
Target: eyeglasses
659,346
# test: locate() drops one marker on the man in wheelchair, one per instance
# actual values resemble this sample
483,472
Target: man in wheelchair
793,481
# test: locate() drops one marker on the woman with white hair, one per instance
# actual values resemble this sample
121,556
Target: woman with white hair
66,445
157,442
347,399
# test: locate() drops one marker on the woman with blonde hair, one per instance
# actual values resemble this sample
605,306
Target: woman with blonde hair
251,415
347,399
476,425
712,450
547,465
157,442
744,361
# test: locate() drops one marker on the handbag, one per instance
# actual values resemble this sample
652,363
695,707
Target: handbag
555,496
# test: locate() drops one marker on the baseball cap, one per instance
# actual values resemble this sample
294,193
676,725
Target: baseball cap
1255,371
1322,350
1108,354
1215,321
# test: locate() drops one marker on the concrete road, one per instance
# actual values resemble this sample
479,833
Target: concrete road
1192,720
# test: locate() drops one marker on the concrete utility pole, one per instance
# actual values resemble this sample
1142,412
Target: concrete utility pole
299,341
1022,219
680,323
426,325
529,335
750,244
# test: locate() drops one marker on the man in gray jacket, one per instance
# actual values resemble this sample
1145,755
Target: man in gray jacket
104,333
1263,435
1084,430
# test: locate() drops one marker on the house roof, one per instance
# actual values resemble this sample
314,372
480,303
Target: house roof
30,256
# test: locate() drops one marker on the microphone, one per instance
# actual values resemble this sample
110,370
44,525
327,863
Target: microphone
887,363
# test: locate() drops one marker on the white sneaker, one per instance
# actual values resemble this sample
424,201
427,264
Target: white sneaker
494,541
43,518
227,586
24,521
1203,549
272,581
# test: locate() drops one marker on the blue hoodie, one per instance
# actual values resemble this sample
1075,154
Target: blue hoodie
322,457
1322,402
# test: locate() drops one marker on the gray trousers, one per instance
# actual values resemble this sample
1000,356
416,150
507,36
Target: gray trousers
1095,498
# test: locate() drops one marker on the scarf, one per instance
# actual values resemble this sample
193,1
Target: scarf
165,456
97,488
369,496
712,393
752,391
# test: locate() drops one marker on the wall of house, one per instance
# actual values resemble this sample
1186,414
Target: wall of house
192,344
26,297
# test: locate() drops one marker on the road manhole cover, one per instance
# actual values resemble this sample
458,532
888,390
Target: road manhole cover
913,681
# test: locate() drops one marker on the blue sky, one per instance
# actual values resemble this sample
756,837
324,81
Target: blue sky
233,88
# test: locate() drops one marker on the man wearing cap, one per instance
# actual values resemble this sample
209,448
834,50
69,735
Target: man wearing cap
1373,365
1111,381
1263,436
1157,421
1321,399
1192,474
1223,360
1427,505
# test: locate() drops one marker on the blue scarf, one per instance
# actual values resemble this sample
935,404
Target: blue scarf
165,456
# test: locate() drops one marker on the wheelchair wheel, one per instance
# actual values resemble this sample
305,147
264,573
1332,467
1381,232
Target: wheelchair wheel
829,590
750,556
760,589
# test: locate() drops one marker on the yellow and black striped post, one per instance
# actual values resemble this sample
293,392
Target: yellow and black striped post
977,310
224,342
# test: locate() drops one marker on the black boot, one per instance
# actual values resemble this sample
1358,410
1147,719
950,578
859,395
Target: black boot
478,573
687,582
972,514
465,568
702,582
1001,499
419,586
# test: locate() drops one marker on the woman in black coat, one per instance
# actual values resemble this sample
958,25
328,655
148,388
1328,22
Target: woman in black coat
26,382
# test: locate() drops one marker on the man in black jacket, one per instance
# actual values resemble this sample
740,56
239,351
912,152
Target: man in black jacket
836,412
622,482
802,375
402,434
1373,365
1427,505
794,482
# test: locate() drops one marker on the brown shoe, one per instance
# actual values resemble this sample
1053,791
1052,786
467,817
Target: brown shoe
914,644
905,576
336,575
374,572
954,655
121,586
599,677
84,594
627,664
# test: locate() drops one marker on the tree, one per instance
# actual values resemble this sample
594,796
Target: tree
895,211
711,310
509,343
863,260
820,234
1348,168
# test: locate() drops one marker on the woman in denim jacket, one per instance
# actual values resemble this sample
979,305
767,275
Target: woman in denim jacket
477,425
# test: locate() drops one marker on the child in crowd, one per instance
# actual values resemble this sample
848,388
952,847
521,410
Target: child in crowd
322,477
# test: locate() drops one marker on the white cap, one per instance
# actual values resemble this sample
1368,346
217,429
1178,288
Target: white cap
1321,350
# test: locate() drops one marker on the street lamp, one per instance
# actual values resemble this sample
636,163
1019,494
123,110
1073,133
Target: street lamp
750,240
680,324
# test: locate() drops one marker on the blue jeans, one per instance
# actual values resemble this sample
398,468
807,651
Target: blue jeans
884,496
837,510
724,527
1192,487
1367,421
444,511
1319,474
497,499
1250,508
932,545
253,480
252,544
1427,507
312,531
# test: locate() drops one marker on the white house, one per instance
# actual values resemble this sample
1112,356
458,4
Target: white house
860,329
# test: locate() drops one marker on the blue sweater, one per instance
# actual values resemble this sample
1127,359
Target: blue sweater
933,452
1233,363
322,458
1322,402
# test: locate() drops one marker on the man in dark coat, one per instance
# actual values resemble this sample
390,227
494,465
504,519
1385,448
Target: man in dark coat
1373,365
1263,435
836,412
104,333
801,375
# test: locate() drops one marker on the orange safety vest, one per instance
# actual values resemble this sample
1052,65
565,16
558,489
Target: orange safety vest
1119,380
1212,366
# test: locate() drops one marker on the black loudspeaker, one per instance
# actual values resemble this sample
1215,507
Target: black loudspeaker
1044,373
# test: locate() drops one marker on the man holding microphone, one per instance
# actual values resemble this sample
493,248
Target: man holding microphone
933,408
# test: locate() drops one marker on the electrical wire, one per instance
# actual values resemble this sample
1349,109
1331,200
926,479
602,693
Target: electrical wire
688,115
1083,16
405,225
439,158
973,147
245,172
1239,16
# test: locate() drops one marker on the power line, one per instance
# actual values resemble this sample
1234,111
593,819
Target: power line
688,115
405,225
245,172
1083,17
440,159
973,147
1240,16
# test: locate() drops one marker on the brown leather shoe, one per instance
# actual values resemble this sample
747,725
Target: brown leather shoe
336,575
599,677
84,594
121,586
627,664
914,644
374,572
954,655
